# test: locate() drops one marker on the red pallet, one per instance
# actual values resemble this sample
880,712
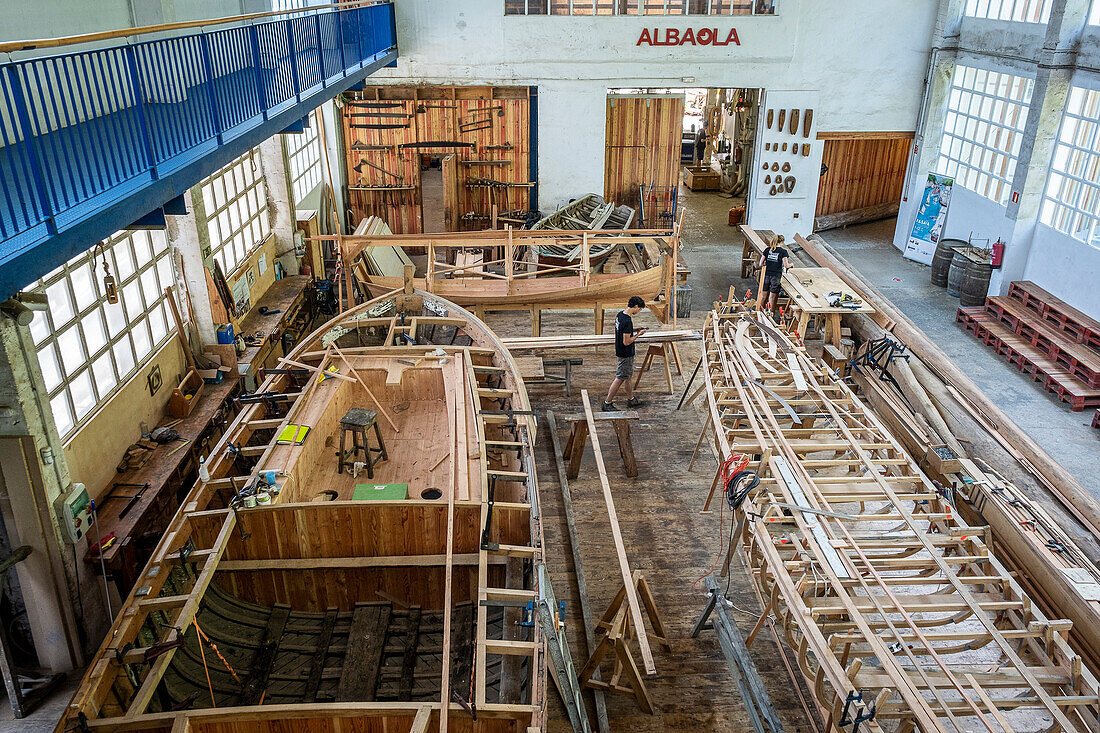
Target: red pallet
1081,361
1056,312
1096,420
1028,358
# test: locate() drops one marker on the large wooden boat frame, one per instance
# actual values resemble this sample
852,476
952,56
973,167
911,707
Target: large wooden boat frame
524,285
458,562
901,616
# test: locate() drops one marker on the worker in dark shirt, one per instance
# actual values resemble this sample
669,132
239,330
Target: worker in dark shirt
625,336
700,144
775,260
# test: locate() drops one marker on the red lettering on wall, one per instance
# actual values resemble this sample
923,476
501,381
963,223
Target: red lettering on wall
694,37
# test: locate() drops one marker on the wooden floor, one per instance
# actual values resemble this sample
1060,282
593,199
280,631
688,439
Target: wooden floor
666,538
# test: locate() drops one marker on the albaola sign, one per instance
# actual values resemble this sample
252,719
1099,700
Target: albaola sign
688,37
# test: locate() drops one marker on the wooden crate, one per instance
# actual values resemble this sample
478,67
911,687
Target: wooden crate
701,178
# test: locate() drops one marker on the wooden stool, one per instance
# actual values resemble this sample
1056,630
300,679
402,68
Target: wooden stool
653,351
358,421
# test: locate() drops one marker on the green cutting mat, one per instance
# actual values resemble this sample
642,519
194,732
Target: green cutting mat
380,492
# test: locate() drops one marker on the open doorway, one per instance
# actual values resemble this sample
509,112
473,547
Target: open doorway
432,194
693,147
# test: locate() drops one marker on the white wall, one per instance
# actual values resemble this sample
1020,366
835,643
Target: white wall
866,59
1068,268
971,215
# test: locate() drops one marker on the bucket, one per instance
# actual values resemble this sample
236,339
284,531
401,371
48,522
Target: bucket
955,273
974,284
941,261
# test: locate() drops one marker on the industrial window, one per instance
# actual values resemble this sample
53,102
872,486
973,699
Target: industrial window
304,152
88,348
1023,11
1094,13
1071,203
983,129
639,7
236,209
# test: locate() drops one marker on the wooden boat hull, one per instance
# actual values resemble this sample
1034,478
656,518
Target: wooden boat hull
864,563
547,291
328,606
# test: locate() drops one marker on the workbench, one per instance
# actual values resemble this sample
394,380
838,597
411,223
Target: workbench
167,477
291,298
809,288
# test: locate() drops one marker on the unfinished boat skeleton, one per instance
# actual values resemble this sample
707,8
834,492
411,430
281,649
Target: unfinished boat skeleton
900,614
397,599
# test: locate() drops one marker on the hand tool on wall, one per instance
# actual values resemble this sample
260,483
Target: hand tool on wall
380,169
360,146
475,126
794,124
436,144
374,105
422,108
378,127
503,146
400,115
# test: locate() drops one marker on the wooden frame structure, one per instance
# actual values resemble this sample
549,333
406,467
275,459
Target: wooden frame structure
458,425
898,611
508,275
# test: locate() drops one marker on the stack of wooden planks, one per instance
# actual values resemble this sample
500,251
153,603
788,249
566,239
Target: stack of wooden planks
899,611
1044,337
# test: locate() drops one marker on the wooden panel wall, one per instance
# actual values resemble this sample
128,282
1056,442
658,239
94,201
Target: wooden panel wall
862,172
494,120
643,145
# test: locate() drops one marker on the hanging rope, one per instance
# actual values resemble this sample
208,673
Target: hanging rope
206,669
203,637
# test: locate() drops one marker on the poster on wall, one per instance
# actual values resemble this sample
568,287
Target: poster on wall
928,226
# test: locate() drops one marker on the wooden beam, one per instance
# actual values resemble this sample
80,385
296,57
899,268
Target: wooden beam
620,546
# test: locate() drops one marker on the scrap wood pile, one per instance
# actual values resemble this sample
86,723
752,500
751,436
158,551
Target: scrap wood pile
900,614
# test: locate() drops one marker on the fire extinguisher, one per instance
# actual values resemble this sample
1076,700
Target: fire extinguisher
998,254
737,154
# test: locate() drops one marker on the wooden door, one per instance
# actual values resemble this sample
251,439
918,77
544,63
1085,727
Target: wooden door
643,145
862,172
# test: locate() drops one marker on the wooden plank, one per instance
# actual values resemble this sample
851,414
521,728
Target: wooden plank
260,668
620,547
317,664
363,659
578,568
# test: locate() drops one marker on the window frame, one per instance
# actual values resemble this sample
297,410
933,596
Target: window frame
152,316
1017,11
298,147
983,129
1075,169
676,8
237,213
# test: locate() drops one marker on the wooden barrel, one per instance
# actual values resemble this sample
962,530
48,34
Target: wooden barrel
955,273
941,261
974,285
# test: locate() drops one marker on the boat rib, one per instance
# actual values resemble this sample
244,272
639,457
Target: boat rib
899,612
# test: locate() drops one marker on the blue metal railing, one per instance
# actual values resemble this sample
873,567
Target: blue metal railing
84,130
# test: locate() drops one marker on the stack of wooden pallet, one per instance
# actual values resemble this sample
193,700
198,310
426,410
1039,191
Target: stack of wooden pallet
1044,337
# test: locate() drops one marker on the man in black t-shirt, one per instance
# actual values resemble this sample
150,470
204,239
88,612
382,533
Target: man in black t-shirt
775,261
625,336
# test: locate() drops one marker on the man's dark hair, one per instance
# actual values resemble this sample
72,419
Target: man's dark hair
635,302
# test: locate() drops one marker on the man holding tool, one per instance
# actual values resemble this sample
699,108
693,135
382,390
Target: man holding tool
775,260
625,336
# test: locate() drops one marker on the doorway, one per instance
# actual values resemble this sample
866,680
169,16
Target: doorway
669,148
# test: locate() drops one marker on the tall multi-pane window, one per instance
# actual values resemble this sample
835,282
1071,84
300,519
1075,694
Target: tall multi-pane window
1094,13
304,152
236,208
87,348
986,113
1023,11
639,7
1071,202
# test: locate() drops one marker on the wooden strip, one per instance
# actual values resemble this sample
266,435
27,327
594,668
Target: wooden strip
620,546
317,664
363,659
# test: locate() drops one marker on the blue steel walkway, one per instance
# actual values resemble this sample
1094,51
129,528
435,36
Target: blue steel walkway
92,141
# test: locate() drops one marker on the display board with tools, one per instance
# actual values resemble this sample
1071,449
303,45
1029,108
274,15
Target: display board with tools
784,143
479,136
